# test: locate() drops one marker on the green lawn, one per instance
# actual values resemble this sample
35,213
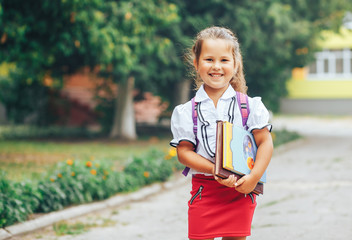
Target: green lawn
23,159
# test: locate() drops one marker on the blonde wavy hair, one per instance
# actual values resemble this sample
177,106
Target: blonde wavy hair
238,81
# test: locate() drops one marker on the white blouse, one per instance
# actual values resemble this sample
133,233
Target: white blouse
182,122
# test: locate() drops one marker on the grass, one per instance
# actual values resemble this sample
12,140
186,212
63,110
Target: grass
73,227
29,159
284,136
66,228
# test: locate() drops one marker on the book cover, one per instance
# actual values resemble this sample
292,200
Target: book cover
239,150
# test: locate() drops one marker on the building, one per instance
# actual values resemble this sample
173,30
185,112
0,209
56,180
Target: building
76,103
325,86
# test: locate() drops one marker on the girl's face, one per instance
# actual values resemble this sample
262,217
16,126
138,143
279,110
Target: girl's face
216,65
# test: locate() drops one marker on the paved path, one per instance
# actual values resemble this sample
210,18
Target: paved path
308,194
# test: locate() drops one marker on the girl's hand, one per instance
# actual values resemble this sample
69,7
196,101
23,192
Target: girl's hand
246,184
229,182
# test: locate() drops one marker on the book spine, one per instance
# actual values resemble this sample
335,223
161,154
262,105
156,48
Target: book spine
218,149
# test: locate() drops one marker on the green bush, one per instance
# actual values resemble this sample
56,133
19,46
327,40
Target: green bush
151,168
77,181
284,136
33,132
17,200
52,197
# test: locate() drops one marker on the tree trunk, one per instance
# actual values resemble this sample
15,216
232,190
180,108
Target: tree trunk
124,125
3,118
182,93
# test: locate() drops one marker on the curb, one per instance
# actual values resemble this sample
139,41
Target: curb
72,212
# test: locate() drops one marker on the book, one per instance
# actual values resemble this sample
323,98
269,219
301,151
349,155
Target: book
235,153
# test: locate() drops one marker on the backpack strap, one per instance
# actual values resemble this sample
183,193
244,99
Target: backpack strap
195,119
195,129
242,100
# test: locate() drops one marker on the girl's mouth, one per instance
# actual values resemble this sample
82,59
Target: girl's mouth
216,75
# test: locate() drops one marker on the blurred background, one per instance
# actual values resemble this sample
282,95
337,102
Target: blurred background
106,65
78,78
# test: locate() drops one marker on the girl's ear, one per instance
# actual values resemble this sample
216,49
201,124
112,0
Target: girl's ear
195,64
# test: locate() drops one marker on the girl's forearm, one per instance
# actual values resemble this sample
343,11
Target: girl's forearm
262,160
263,157
193,160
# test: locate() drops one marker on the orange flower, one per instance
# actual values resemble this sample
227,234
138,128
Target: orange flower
104,177
93,172
146,174
69,162
172,152
73,174
52,179
89,164
59,175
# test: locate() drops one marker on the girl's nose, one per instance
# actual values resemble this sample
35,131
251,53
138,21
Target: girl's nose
216,65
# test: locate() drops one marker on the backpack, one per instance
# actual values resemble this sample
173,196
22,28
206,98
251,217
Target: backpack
242,100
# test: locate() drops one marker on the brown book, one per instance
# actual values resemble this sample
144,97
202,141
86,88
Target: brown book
219,170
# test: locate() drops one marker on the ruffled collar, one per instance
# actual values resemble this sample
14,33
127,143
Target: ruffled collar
201,94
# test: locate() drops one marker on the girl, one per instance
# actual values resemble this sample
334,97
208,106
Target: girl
219,207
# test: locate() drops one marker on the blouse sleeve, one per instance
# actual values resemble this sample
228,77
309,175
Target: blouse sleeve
182,125
259,116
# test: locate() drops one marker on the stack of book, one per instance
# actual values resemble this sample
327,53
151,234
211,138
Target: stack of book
235,153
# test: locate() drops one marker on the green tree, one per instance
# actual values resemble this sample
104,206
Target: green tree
132,51
45,39
275,36
53,38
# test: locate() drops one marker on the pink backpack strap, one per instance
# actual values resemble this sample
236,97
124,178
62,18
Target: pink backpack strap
195,129
242,100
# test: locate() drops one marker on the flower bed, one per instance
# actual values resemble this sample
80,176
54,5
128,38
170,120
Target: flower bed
75,182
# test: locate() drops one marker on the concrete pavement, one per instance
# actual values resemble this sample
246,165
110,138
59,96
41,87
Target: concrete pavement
307,196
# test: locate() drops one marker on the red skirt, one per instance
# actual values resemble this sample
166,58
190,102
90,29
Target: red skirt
218,211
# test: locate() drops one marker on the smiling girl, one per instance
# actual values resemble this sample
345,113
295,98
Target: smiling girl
218,207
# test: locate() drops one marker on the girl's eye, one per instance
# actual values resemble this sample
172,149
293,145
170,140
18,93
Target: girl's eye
209,60
225,60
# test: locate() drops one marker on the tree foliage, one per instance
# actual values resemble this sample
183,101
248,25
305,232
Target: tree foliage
275,36
44,40
146,41
131,51
53,38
